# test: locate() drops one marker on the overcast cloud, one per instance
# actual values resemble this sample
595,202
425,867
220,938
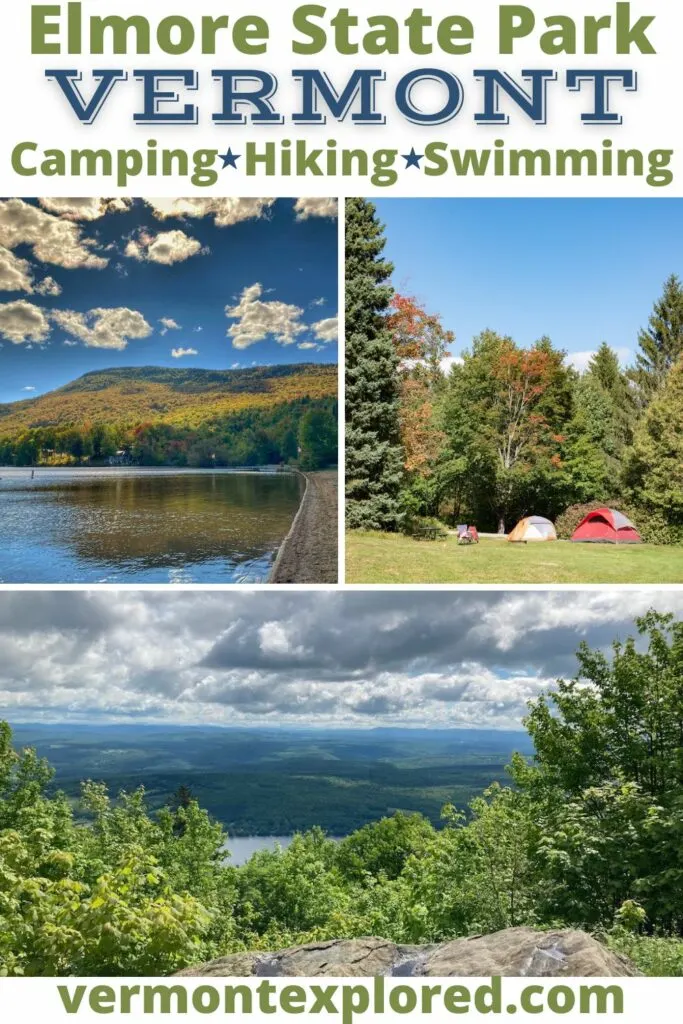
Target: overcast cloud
354,658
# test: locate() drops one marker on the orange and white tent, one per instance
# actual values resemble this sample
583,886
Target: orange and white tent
532,528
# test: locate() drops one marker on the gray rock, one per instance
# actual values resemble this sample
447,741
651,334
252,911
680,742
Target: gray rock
515,952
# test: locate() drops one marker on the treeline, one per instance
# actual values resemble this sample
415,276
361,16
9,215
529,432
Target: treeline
505,431
590,835
302,431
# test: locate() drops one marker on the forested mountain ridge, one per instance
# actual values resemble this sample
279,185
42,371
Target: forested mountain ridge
167,394
181,417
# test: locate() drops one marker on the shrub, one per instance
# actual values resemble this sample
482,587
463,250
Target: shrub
656,956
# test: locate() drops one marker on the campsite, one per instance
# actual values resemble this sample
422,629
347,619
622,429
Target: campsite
512,424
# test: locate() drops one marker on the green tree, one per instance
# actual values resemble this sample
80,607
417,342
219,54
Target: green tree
317,439
661,343
374,457
655,468
501,411
605,372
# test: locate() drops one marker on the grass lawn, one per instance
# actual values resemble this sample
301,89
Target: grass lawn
393,558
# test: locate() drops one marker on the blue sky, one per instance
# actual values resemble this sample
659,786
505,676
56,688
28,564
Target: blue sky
87,284
582,271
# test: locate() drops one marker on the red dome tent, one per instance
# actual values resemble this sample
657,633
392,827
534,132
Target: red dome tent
606,526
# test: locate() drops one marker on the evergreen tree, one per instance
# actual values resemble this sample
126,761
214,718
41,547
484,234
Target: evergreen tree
374,456
662,343
604,370
656,468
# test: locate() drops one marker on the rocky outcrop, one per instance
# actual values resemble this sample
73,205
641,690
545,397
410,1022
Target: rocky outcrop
515,952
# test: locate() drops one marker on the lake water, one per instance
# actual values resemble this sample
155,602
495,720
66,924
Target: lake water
145,526
242,847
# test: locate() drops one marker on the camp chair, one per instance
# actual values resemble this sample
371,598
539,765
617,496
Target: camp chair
473,534
464,535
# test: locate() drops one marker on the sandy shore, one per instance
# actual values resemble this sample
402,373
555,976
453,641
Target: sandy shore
309,553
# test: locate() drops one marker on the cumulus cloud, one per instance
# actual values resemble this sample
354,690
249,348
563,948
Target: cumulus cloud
103,328
313,207
52,239
327,330
178,353
354,658
48,286
17,275
22,322
225,211
167,247
168,324
257,319
84,209
581,360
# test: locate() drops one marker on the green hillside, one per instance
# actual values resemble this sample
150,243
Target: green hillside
160,415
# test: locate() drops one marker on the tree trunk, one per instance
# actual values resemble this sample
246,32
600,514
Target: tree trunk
501,524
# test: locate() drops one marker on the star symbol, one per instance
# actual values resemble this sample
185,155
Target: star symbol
229,159
412,159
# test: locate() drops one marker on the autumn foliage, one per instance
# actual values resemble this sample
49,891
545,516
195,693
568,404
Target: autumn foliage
421,344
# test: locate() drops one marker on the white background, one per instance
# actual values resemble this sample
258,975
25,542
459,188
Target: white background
645,999
33,108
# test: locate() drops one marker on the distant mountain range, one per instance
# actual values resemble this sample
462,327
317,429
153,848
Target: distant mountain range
131,396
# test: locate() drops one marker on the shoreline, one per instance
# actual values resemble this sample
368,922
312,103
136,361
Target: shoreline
19,472
308,554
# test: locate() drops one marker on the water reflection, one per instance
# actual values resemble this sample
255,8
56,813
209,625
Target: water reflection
109,526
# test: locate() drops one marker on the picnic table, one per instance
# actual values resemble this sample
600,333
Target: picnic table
426,533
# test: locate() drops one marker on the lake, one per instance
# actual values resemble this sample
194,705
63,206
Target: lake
143,525
242,847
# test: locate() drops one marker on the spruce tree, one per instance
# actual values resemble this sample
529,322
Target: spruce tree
656,469
374,456
605,374
662,343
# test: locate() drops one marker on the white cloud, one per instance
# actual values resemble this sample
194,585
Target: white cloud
52,239
167,247
178,353
448,362
48,286
84,209
315,207
22,322
318,302
103,328
307,344
580,360
225,211
17,275
431,659
257,320
327,330
168,324
28,388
